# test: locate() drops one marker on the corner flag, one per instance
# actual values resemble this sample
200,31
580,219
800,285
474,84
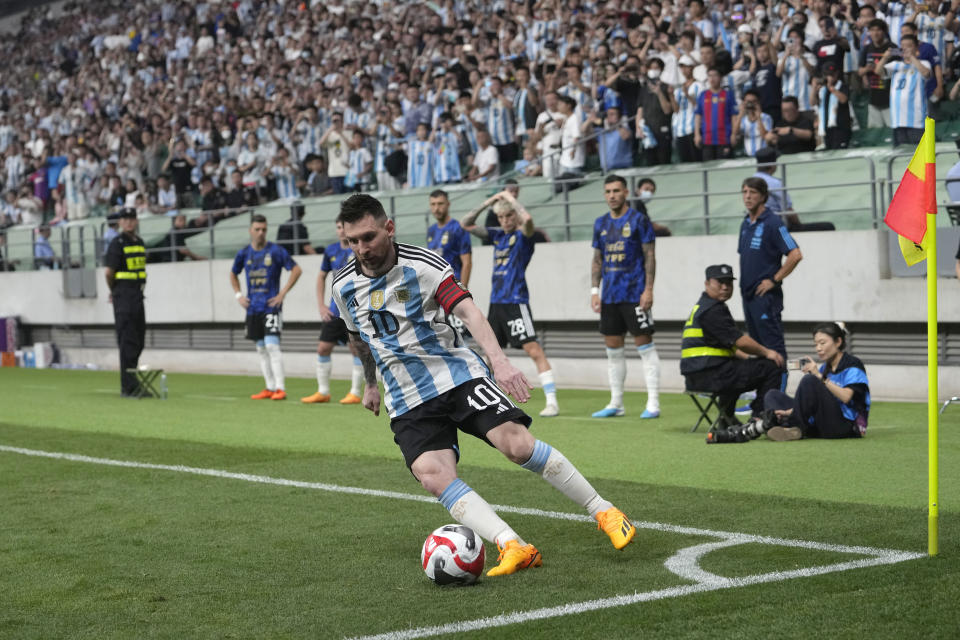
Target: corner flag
916,197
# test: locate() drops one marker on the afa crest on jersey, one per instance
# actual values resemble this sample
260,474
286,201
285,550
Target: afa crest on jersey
403,296
267,260
376,298
626,230
513,240
445,238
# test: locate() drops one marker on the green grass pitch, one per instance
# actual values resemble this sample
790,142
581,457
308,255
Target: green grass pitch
271,548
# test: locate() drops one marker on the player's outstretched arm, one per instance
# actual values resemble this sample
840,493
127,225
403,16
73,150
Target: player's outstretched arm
510,379
371,390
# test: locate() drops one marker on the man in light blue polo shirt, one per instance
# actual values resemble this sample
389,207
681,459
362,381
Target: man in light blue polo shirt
615,139
778,200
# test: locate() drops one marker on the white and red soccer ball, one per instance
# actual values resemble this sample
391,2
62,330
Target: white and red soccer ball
453,554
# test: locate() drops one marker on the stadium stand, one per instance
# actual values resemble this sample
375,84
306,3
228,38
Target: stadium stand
99,89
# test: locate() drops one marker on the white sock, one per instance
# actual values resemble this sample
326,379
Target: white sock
549,387
356,377
651,373
276,363
617,374
265,368
324,365
554,467
468,508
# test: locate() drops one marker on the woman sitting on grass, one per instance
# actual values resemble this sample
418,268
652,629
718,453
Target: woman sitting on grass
832,400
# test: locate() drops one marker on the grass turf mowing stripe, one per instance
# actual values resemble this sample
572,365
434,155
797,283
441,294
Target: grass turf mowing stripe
684,563
740,538
573,608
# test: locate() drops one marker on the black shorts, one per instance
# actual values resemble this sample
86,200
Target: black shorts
616,319
512,324
474,407
334,331
263,324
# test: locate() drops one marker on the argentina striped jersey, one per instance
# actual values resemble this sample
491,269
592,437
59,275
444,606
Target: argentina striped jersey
447,163
683,120
795,80
500,122
750,130
420,163
403,317
908,98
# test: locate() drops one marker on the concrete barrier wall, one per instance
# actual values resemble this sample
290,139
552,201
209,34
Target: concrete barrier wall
843,276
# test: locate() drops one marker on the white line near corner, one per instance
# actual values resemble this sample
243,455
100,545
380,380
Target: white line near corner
685,563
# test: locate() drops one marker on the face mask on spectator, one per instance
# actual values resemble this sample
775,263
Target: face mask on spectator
759,13
653,74
645,195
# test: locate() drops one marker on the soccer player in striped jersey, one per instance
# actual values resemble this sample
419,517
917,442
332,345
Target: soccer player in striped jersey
420,158
396,300
334,330
795,69
264,262
624,264
684,102
908,97
446,146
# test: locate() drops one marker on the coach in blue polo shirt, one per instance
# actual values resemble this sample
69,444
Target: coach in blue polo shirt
764,241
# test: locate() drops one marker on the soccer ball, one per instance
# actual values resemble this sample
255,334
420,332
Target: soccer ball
453,554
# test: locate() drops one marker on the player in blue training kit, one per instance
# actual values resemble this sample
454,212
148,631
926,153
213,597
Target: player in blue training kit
451,242
264,262
333,331
510,314
396,300
764,242
624,262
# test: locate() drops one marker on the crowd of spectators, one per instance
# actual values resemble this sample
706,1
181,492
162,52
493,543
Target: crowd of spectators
166,104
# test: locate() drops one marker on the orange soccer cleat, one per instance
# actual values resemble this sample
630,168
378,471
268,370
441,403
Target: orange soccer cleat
266,394
279,394
316,398
351,399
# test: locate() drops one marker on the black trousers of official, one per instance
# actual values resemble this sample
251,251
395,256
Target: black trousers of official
815,410
131,325
662,153
734,377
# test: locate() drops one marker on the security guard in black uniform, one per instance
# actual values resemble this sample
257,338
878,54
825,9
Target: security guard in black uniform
709,360
126,262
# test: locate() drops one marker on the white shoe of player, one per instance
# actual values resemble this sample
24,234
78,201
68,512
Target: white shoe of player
550,411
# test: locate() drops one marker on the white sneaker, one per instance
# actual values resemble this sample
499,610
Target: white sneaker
550,411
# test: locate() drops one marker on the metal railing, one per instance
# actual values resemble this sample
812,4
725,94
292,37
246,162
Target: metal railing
81,244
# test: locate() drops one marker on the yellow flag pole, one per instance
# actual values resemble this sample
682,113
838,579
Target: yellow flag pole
933,418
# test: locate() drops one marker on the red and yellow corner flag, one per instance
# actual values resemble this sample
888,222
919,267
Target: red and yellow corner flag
915,198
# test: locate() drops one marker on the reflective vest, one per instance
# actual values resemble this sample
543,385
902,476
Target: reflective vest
128,257
696,352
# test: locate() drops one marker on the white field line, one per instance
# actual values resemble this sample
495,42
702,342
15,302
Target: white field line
685,563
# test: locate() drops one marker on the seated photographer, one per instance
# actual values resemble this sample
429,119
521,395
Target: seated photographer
832,401
714,352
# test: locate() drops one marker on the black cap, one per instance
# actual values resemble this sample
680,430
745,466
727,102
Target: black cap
767,155
127,212
720,272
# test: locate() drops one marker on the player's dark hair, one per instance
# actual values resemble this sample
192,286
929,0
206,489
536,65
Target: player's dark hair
358,206
258,217
757,184
792,100
439,193
912,38
836,331
615,178
876,22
